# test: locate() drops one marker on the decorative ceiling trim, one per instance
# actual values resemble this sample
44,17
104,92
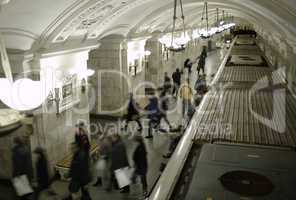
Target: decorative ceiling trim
91,12
47,32
95,31
90,21
111,30
19,32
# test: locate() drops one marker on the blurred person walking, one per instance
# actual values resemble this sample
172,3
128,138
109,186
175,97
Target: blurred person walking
177,81
186,95
167,83
188,64
132,113
42,173
119,161
153,113
164,107
22,162
140,163
81,137
103,164
79,173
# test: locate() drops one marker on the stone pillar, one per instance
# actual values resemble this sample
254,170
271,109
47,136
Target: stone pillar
154,68
110,82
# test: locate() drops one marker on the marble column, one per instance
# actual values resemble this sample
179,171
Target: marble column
154,69
111,82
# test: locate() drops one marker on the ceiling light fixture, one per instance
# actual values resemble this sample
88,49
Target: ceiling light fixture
179,42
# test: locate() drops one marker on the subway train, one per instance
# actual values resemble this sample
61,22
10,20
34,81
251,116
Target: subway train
240,144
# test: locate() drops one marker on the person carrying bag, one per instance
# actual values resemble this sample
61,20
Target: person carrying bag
22,186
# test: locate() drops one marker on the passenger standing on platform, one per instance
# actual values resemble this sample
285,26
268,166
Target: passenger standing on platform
153,114
141,163
132,113
81,137
202,60
186,95
119,160
21,161
167,83
79,173
177,81
42,173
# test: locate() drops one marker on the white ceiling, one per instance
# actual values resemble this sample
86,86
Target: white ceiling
32,25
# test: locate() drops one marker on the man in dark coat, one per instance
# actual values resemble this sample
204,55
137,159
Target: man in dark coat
141,163
177,81
119,160
202,61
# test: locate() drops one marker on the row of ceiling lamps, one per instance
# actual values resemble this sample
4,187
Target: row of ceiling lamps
177,41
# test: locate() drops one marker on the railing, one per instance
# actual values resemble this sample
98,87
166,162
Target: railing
167,182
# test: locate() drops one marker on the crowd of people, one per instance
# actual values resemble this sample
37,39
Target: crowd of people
113,158
113,166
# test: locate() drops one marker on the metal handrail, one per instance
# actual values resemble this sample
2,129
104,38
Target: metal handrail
165,185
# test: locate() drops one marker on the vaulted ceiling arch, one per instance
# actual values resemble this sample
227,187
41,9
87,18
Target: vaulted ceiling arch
30,25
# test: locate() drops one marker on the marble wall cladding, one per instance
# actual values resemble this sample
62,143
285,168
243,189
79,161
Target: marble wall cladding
55,133
154,67
109,82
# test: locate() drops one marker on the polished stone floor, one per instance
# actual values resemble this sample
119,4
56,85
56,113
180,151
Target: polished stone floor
156,147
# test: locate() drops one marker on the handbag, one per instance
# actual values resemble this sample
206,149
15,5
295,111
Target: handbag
124,176
22,185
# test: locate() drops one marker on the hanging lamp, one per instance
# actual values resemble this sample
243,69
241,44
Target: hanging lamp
204,32
219,23
173,42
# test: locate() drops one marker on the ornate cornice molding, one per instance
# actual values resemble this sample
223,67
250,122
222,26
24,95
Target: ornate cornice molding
18,32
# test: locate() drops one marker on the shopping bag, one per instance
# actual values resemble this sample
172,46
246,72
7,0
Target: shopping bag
124,176
101,165
22,185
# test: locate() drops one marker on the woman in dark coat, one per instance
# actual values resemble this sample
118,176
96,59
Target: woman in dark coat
79,172
141,163
81,137
21,161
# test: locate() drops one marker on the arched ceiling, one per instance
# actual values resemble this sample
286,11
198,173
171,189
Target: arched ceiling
31,25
